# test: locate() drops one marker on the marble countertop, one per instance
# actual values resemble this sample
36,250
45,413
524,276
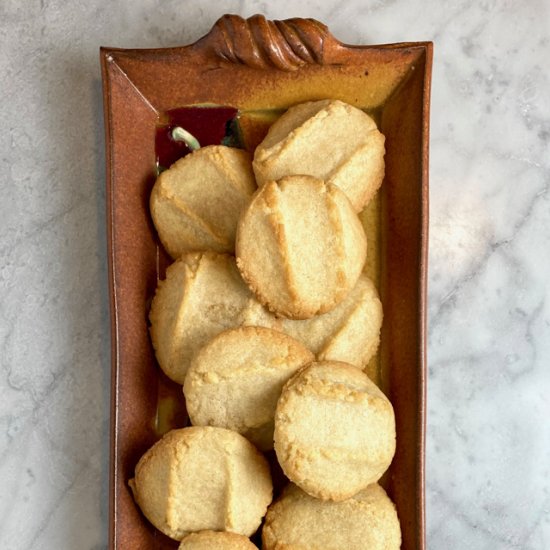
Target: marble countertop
488,437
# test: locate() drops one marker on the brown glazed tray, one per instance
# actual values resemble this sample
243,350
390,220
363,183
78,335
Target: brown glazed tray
261,66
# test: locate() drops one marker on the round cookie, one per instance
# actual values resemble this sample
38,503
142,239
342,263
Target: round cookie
297,521
216,540
202,295
349,333
196,203
327,139
334,430
202,478
236,379
300,246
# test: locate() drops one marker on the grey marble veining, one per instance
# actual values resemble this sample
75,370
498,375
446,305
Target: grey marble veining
488,439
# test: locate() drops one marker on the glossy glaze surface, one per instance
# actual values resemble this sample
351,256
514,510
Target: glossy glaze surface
238,64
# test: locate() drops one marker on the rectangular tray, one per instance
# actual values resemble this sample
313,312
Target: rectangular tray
257,65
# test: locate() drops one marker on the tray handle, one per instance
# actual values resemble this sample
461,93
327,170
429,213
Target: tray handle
261,44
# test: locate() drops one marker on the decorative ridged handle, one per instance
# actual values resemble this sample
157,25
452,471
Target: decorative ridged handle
256,42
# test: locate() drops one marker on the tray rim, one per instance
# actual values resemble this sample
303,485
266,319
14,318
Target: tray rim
105,53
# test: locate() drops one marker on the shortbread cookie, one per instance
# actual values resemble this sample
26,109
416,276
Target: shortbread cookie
202,478
349,333
327,139
334,430
236,379
216,540
202,295
300,246
196,203
366,521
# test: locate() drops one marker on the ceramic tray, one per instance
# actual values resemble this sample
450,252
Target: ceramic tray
262,67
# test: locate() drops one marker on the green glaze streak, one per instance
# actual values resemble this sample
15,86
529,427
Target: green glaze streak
179,134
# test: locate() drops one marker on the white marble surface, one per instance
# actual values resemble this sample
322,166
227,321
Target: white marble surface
488,444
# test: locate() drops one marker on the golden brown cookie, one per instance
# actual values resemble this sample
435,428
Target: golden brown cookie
366,521
236,379
327,139
203,478
202,295
216,540
300,246
334,430
196,203
349,333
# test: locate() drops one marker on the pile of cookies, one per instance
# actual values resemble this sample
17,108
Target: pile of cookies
270,343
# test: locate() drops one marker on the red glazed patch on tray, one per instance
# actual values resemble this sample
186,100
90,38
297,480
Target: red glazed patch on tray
209,125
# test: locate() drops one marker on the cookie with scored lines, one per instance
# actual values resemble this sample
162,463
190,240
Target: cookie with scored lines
216,540
334,430
349,333
300,246
203,478
236,379
328,139
196,203
202,295
366,521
